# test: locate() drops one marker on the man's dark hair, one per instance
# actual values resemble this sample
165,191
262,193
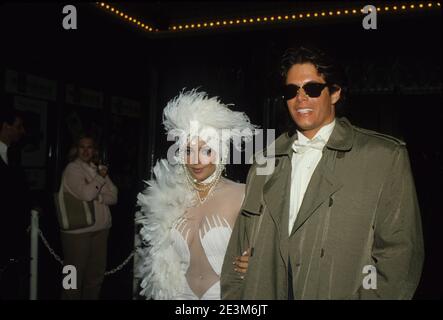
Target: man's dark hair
7,113
325,64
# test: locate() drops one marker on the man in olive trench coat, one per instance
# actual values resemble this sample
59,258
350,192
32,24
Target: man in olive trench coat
357,233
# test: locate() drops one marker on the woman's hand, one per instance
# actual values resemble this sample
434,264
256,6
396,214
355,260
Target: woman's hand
102,170
241,263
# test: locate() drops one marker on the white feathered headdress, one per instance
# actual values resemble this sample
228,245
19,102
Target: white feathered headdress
193,114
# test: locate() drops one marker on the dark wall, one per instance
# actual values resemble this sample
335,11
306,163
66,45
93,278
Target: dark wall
394,77
103,56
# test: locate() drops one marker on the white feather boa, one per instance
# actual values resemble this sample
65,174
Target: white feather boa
162,203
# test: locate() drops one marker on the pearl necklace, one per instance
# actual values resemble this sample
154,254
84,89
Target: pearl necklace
193,184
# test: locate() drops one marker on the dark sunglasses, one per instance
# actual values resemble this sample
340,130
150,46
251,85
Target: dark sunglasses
312,90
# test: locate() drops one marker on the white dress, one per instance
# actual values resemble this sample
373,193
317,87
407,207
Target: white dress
201,237
187,251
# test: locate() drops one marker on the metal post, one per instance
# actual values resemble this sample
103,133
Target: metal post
34,255
135,280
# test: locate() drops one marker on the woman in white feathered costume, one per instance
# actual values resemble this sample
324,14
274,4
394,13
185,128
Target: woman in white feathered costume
188,210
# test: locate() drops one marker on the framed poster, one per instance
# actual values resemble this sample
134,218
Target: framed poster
30,85
33,153
84,97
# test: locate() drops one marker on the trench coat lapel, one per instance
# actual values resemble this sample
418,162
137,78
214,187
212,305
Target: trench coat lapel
276,190
322,186
324,182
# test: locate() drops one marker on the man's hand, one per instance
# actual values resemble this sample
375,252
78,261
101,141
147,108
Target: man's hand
241,263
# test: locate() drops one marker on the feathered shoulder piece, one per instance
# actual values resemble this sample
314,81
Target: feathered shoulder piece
163,201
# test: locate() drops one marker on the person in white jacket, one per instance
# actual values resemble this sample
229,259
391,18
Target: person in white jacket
86,248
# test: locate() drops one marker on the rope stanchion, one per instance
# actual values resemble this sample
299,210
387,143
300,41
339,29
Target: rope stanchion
34,256
51,251
107,273
57,257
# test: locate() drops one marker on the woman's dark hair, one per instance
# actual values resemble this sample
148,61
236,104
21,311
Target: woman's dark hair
73,151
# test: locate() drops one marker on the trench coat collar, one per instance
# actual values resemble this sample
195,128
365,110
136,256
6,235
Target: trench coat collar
341,139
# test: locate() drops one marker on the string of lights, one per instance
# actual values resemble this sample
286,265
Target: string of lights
123,15
266,19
